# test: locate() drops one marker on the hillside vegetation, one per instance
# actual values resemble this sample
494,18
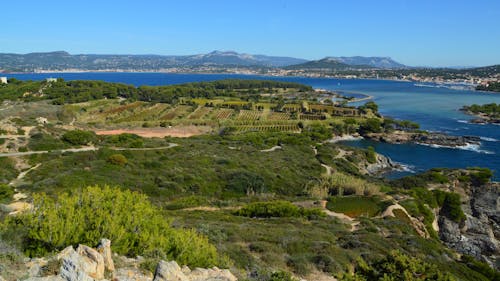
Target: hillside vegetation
268,204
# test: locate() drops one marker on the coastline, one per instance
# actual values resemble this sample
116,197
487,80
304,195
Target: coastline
166,71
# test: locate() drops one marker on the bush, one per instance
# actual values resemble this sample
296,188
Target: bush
452,207
127,218
6,193
481,267
79,137
117,159
371,156
281,276
277,209
480,176
398,266
245,182
371,125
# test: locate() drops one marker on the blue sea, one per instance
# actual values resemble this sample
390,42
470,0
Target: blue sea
435,109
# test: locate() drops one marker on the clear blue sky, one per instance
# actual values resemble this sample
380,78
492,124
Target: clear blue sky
423,32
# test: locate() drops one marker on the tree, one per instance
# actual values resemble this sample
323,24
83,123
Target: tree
371,125
117,159
371,106
79,137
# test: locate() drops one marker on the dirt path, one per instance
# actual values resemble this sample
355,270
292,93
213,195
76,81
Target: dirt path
87,148
21,175
145,148
328,169
11,154
272,149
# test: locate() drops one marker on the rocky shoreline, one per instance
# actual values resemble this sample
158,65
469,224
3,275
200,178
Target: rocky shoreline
426,138
480,118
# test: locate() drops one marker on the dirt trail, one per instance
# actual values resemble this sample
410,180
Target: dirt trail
23,174
87,148
328,169
272,149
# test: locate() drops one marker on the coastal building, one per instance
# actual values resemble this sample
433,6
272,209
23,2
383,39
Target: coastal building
3,80
49,80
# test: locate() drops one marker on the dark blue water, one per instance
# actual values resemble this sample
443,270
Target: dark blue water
435,109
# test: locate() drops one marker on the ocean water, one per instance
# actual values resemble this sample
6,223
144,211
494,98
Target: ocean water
435,109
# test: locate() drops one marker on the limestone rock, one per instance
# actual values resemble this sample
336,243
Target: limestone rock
132,274
479,234
104,249
211,274
84,264
93,263
169,271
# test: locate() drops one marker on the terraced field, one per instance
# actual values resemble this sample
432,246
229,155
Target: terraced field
292,128
200,112
249,115
222,113
177,112
280,116
230,114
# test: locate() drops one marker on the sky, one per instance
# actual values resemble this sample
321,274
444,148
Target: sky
416,33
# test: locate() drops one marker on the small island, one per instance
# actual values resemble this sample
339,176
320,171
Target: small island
486,114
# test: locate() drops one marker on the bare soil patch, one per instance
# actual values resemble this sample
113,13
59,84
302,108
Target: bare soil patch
177,131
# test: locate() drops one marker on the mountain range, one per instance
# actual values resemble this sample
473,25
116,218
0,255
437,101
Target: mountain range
61,60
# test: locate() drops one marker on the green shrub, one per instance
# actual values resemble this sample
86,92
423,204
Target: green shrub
281,276
438,177
480,176
117,159
79,137
245,182
371,156
127,218
481,267
277,209
41,141
452,207
6,192
397,266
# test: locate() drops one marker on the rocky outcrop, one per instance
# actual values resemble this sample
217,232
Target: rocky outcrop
382,165
104,249
428,138
171,271
88,264
479,234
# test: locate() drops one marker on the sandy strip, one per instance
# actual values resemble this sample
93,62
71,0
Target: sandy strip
178,132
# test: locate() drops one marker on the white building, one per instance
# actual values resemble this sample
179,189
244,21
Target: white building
3,80
49,80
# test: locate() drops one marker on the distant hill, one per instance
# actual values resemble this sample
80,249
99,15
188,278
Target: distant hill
484,71
377,62
344,63
61,60
326,64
